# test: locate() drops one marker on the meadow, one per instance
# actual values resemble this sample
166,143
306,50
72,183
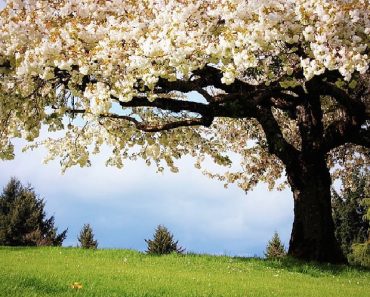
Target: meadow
50,271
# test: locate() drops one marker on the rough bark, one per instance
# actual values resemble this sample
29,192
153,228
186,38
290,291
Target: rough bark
312,235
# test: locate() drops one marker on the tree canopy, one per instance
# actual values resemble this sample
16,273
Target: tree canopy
283,84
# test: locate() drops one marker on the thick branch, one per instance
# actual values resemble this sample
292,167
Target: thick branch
275,139
179,85
284,101
211,76
233,105
342,132
348,128
206,95
242,100
353,106
168,104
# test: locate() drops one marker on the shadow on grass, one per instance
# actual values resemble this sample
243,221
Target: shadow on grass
36,285
314,269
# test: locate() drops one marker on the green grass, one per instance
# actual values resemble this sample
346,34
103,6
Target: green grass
27,272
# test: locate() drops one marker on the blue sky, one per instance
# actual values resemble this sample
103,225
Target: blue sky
125,206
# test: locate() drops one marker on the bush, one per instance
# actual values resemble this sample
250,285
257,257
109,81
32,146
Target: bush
163,243
23,220
86,238
275,248
360,254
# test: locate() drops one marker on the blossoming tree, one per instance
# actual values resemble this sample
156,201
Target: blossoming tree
284,84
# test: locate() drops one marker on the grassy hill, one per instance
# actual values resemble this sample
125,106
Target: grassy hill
27,272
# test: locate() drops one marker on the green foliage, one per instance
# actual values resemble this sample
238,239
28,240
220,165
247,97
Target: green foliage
163,243
360,254
23,220
86,238
366,204
349,213
275,248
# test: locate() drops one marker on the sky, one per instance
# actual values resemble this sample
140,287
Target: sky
124,206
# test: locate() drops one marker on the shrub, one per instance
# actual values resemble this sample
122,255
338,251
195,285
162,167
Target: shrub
86,238
360,254
275,248
163,243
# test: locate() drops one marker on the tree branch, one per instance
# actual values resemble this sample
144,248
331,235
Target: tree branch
206,95
275,139
211,76
285,102
347,129
342,132
179,85
354,108
148,127
168,104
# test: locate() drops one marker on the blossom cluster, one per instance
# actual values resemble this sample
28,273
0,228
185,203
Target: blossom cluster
121,42
49,48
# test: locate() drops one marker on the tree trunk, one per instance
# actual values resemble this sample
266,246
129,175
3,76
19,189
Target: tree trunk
312,237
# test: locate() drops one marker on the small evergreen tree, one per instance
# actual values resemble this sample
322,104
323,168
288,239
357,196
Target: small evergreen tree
23,220
163,243
275,248
349,213
86,238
